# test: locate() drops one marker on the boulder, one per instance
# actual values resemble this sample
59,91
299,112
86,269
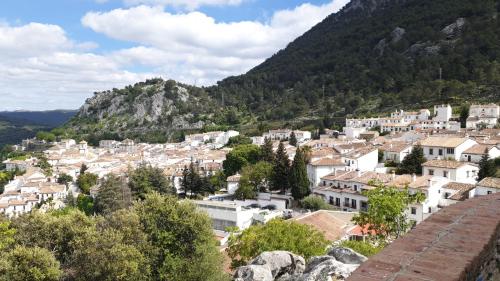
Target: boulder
346,255
397,34
315,261
328,269
281,263
253,273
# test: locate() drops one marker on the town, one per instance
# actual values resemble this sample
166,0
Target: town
341,167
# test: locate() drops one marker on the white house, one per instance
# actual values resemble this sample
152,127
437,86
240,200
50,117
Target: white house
483,115
488,186
442,112
445,147
476,152
354,132
226,214
462,172
396,151
322,167
364,159
233,182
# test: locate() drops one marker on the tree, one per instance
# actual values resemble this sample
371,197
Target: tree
29,263
254,178
64,179
46,136
239,157
487,167
86,181
267,153
114,194
314,203
83,169
299,182
464,114
146,179
276,235
6,235
193,183
238,140
293,139
386,210
182,239
281,170
412,163
85,203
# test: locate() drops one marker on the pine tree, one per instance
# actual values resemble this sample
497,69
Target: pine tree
412,163
267,150
281,170
298,176
293,139
486,167
114,194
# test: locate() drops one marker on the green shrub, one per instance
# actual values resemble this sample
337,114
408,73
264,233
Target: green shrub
365,248
314,203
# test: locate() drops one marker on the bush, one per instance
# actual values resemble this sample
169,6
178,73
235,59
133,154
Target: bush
365,248
314,203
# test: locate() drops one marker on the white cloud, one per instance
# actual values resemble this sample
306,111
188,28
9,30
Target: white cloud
187,4
194,46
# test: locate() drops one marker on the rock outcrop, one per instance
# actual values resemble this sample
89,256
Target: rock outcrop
285,266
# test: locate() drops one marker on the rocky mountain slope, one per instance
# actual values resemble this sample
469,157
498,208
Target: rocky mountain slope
373,56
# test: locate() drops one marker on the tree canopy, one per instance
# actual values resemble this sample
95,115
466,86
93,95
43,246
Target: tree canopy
412,163
146,179
239,157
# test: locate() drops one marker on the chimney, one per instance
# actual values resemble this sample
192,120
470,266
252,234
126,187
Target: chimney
359,172
413,177
393,175
429,183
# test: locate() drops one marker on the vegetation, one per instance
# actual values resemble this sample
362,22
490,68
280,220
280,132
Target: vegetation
276,235
487,167
85,181
145,179
267,153
193,183
238,140
386,211
114,194
299,182
64,179
366,248
254,179
159,238
293,139
412,163
314,203
239,157
281,170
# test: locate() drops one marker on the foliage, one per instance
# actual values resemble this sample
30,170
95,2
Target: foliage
185,248
293,139
6,235
281,170
26,263
239,157
146,179
299,182
254,178
114,194
314,203
386,210
276,235
267,153
64,179
412,163
85,181
238,140
193,183
44,164
487,167
85,203
46,136
366,248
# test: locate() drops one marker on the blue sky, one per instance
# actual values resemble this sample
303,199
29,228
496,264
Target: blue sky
56,53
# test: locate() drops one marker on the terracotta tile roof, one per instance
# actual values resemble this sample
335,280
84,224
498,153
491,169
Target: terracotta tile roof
366,177
461,188
334,175
448,164
328,162
234,178
478,149
332,225
490,182
395,146
450,142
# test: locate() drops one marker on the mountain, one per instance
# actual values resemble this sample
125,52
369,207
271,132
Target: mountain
373,56
18,125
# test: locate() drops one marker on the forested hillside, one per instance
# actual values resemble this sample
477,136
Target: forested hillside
378,55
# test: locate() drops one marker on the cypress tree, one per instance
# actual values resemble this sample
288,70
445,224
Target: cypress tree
293,139
486,167
281,170
298,176
267,153
412,163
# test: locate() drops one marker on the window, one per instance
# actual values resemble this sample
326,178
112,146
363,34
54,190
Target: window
489,192
430,210
355,188
447,195
431,172
440,152
431,151
364,206
445,174
413,210
450,150
346,202
337,202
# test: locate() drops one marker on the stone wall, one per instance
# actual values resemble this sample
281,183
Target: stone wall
460,242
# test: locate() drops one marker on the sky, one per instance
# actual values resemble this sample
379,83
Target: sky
56,53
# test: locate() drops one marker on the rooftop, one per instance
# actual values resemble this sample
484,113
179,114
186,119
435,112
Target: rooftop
450,142
490,182
448,164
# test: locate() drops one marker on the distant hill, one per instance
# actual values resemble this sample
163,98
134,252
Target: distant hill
373,56
18,125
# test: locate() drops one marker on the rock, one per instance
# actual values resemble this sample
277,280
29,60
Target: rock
315,261
328,269
253,273
380,47
281,263
347,256
454,28
397,34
